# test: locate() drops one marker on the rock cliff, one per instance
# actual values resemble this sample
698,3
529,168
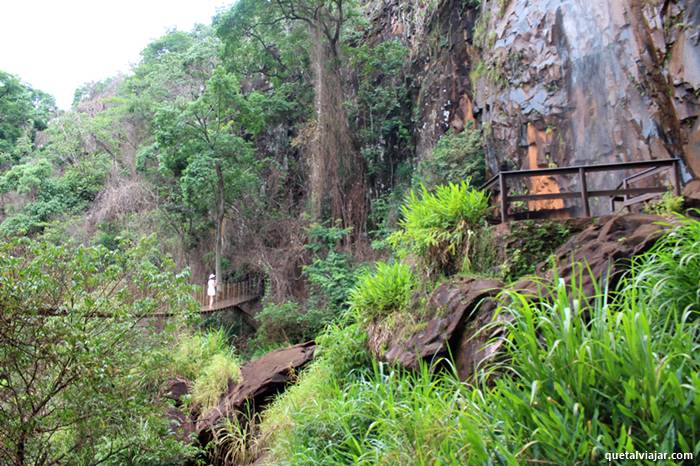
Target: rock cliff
555,82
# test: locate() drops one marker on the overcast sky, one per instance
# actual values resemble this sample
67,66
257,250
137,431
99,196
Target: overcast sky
57,45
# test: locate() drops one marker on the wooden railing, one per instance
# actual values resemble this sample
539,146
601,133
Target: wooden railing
250,288
628,195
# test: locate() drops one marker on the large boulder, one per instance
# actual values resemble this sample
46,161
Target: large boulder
605,247
691,194
261,379
460,312
452,305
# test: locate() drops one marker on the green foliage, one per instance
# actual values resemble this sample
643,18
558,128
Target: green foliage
385,417
25,178
668,204
437,226
295,415
670,272
214,379
330,273
194,351
456,157
595,378
581,376
380,113
483,258
388,289
24,111
285,322
76,385
529,243
66,194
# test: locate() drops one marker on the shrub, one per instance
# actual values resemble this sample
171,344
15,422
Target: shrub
384,291
455,158
331,273
213,380
668,204
437,226
529,243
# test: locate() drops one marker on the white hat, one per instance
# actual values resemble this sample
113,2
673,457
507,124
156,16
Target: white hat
212,276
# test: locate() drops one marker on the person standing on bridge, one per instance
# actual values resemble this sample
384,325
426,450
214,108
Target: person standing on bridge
211,289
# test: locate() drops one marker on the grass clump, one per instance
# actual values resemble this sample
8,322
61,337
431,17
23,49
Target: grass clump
213,381
589,375
193,351
670,272
384,291
300,412
209,362
437,226
667,204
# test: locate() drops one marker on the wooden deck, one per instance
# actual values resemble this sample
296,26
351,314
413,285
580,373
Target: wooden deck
228,303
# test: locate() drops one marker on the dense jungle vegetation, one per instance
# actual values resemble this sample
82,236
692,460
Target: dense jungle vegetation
280,142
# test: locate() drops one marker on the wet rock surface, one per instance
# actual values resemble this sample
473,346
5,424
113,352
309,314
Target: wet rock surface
600,81
691,195
555,82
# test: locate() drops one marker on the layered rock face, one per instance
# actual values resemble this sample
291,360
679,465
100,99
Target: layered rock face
556,82
569,82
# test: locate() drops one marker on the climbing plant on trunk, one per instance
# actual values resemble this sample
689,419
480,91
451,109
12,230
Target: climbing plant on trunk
337,167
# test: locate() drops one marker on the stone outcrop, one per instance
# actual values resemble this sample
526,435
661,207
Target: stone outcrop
261,379
454,304
691,195
462,310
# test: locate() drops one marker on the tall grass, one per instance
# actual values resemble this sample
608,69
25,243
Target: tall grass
670,272
193,351
213,381
209,362
582,376
586,377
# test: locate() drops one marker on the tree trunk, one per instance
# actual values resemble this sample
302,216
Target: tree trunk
220,204
338,169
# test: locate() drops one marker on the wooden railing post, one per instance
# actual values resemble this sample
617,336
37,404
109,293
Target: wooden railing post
504,197
584,191
676,177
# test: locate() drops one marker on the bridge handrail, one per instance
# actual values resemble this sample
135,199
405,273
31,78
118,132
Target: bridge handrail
584,193
226,291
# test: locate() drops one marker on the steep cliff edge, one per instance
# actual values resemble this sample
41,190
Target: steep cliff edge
555,82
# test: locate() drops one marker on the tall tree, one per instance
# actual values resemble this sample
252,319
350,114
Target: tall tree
338,169
337,178
205,144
